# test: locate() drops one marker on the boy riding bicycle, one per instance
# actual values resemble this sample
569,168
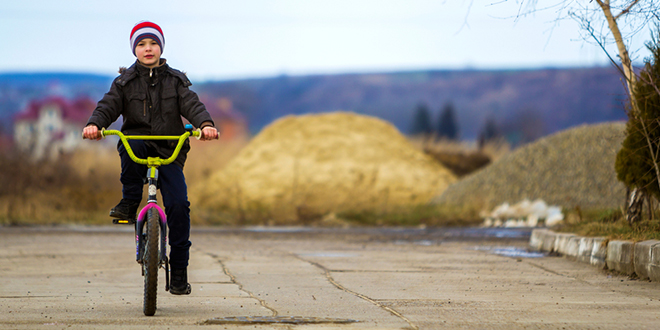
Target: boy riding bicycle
152,97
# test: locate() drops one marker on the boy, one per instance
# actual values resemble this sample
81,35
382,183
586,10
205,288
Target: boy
152,97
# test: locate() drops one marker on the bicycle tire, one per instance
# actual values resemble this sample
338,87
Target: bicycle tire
151,262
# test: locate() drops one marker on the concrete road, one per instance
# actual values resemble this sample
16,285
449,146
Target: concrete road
86,278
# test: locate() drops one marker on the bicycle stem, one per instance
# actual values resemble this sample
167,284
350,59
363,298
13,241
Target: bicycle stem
152,176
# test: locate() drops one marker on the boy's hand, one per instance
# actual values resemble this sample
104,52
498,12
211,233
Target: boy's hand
209,133
91,132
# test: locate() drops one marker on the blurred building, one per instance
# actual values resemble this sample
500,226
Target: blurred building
48,127
51,126
231,123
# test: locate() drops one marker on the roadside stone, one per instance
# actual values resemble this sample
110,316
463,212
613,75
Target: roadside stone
654,264
625,257
584,249
573,247
642,257
536,239
599,252
561,243
620,256
548,241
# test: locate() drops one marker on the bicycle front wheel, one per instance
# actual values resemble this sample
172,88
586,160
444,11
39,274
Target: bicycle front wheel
151,262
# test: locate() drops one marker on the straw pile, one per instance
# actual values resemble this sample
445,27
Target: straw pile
572,168
304,167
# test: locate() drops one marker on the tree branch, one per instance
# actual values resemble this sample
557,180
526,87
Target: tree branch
600,44
625,11
651,82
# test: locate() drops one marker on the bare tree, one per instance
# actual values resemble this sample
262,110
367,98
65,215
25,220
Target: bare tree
606,22
634,14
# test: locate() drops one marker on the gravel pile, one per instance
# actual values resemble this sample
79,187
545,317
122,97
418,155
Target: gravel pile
571,168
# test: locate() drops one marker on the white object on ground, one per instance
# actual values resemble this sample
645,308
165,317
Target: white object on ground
523,214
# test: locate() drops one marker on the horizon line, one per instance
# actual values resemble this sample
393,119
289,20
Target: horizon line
317,74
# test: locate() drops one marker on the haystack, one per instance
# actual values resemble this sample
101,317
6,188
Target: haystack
311,165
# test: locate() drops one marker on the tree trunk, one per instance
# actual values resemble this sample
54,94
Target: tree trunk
628,71
634,206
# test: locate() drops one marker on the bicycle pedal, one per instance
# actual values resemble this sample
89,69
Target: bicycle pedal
123,221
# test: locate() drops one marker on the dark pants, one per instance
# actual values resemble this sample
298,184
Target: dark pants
173,189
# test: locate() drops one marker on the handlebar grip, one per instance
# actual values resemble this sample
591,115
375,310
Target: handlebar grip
100,134
198,134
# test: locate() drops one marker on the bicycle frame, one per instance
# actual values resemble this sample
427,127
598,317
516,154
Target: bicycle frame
152,179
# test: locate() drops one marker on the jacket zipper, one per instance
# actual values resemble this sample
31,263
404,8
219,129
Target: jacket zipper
144,110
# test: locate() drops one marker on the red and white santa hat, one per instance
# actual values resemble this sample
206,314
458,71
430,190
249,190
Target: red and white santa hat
144,30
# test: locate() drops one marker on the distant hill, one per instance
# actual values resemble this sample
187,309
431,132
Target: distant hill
533,102
550,99
49,77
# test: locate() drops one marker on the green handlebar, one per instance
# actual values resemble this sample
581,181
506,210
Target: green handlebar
152,161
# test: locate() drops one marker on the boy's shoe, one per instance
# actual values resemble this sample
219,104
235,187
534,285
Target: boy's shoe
126,209
179,283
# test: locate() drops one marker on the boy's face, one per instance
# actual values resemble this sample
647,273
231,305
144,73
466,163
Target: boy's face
148,52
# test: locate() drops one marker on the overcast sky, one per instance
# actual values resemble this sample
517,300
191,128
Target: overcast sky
217,39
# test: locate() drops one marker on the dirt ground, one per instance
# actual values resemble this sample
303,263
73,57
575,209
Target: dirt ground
86,277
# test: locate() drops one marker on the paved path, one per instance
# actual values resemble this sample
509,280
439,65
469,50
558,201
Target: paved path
412,279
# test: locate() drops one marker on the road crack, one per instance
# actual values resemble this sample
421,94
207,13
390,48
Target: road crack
330,279
557,273
233,280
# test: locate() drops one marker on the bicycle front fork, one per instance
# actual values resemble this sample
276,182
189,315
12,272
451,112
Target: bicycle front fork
140,236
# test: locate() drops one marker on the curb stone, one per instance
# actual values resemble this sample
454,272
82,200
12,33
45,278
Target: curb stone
642,258
562,242
584,249
573,247
654,265
536,239
625,257
599,252
548,239
620,256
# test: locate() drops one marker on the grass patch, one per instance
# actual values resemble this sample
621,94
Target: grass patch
81,187
428,215
611,224
410,216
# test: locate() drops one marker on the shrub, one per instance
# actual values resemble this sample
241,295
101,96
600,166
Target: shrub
636,162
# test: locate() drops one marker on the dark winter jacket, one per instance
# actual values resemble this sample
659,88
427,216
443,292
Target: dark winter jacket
151,102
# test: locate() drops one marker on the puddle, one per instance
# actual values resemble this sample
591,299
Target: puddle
328,255
276,320
277,229
512,252
518,253
515,233
422,242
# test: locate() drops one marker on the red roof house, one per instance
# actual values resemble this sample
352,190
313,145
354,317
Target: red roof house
50,126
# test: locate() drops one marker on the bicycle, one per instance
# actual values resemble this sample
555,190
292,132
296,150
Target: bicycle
151,252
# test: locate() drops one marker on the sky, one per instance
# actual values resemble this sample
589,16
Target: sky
223,40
